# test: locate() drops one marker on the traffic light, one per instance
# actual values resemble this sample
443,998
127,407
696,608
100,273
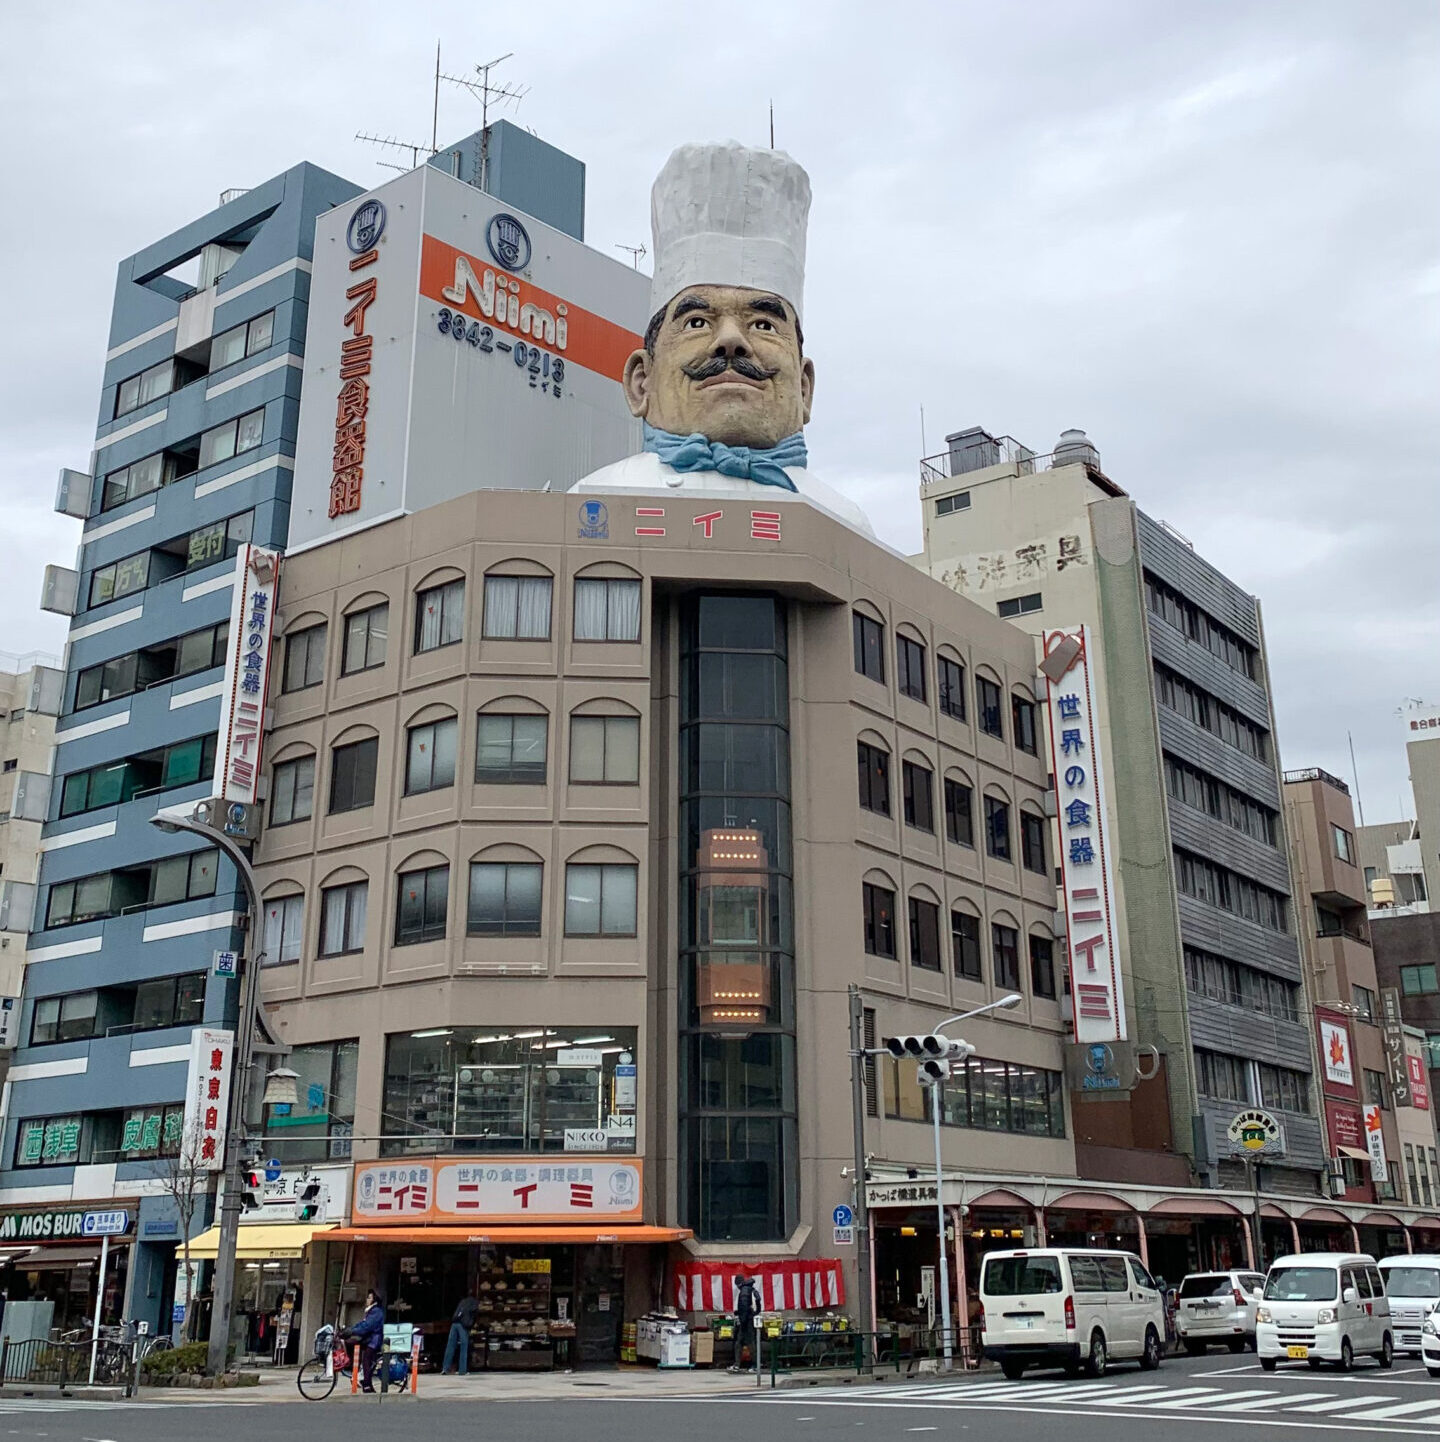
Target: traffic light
252,1190
936,1053
309,1202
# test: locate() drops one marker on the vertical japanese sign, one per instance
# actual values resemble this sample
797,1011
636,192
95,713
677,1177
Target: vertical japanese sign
347,464
1097,990
207,1098
1375,1143
1392,1032
247,673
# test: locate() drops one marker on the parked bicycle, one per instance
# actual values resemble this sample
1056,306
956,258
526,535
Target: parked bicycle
329,1360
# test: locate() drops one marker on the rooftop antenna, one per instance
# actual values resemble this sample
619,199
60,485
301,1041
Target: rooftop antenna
1355,776
485,93
772,125
391,142
637,253
435,112
924,449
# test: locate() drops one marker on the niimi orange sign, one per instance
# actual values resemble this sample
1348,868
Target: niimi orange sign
514,306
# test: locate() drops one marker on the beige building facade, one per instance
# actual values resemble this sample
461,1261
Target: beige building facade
579,775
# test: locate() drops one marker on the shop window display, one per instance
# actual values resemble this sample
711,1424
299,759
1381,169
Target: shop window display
498,1089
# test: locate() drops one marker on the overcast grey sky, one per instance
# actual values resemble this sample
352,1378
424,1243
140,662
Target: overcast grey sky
1208,233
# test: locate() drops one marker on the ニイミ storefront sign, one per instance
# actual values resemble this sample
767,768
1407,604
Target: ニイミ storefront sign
1098,993
247,672
499,1189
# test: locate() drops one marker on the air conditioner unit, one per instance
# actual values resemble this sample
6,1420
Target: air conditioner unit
72,496
60,590
17,905
47,690
32,796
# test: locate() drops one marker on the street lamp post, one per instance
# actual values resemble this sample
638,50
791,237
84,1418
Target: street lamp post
941,1050
218,1354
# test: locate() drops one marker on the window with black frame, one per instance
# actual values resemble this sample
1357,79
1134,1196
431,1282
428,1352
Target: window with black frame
510,750
506,1089
910,667
987,702
874,765
421,901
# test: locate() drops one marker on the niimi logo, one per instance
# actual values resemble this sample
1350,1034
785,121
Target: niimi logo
366,226
508,242
594,521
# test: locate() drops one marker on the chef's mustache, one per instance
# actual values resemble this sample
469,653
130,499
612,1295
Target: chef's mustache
719,364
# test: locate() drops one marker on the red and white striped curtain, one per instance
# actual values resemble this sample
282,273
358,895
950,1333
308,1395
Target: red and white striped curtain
783,1286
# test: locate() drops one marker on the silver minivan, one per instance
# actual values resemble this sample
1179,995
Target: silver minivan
1069,1307
1412,1284
1218,1307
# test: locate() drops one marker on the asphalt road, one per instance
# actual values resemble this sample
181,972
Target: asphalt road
1222,1397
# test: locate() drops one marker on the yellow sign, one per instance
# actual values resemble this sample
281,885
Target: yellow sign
530,1264
1252,1138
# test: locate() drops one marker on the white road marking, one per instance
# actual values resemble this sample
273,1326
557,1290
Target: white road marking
1208,1401
1403,1409
1342,1402
1279,1400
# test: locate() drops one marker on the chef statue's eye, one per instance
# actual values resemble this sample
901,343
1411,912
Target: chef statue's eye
765,325
696,322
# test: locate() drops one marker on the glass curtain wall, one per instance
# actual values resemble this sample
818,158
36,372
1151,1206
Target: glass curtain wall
737,973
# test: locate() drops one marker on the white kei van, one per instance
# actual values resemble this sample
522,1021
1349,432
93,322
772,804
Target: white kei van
1323,1307
1070,1308
1412,1284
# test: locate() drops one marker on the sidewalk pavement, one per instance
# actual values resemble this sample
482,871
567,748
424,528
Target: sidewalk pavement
625,1382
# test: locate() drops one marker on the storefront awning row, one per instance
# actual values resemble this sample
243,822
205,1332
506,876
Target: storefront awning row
259,1242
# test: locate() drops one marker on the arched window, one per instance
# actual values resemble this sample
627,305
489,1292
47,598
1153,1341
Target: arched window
518,598
607,603
367,634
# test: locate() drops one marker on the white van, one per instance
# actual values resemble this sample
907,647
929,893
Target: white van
1412,1284
1058,1307
1323,1307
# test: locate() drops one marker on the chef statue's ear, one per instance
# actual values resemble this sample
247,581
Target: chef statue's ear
636,381
807,389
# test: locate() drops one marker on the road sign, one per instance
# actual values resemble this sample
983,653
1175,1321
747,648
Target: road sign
1255,1132
273,1169
842,1216
844,1236
105,1224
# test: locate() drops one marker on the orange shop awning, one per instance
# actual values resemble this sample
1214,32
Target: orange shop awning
499,1236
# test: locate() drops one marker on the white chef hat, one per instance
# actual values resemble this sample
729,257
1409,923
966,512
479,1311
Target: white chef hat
725,214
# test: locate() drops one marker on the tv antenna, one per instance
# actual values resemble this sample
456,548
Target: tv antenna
487,94
390,142
637,253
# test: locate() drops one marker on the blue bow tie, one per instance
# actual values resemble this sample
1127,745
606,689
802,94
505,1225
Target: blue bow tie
698,453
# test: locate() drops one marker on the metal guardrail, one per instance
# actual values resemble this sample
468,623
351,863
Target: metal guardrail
862,1352
45,1362
1314,773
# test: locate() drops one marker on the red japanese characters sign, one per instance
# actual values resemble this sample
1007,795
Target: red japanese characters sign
207,1098
563,1188
1095,971
353,402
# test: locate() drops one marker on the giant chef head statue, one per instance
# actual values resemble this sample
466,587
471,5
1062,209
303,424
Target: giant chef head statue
723,354
721,382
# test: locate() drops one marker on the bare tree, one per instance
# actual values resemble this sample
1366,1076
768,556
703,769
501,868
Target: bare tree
185,1181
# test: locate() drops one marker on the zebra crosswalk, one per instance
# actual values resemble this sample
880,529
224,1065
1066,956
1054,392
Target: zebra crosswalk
1413,1411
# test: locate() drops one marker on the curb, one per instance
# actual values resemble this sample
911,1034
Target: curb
87,1394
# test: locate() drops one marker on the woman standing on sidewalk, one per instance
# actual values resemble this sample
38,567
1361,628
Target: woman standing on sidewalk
369,1332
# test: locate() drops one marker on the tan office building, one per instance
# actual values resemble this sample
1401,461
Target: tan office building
564,864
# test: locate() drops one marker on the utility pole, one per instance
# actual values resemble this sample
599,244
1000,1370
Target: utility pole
218,1354
858,1058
